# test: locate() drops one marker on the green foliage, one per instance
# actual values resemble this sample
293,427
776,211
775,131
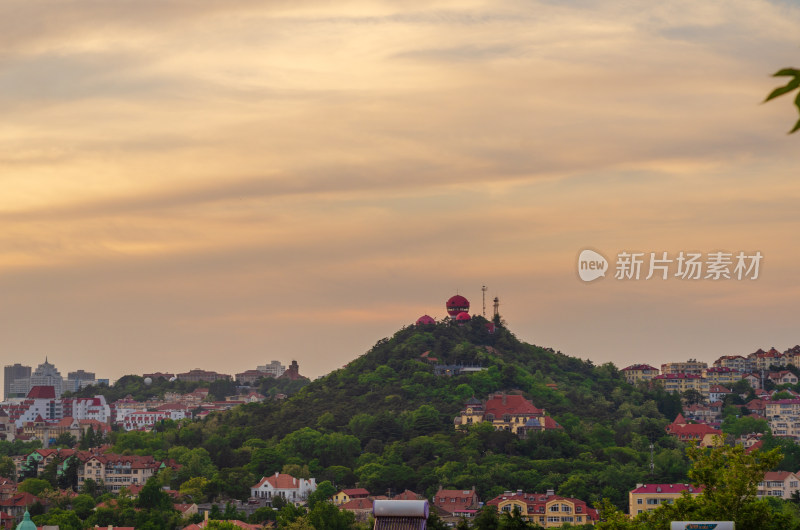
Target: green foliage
34,486
790,86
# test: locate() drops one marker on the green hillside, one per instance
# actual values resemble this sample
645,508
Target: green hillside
385,421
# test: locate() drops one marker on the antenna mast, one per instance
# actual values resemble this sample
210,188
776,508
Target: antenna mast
483,292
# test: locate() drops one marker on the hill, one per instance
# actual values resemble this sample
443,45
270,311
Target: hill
385,421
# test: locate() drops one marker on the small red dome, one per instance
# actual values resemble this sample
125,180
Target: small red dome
463,317
457,304
425,319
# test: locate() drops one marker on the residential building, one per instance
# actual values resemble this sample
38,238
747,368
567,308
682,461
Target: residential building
735,362
453,500
648,497
295,490
510,412
718,392
197,374
275,368
360,507
681,382
779,484
783,377
546,510
692,366
119,471
79,379
722,375
346,495
639,372
783,416
766,360
704,434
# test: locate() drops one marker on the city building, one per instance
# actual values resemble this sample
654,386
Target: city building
275,368
79,379
510,412
648,497
295,490
780,484
456,500
546,510
692,366
681,382
639,372
11,373
197,375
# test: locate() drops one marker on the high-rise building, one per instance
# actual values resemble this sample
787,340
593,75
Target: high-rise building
79,379
47,375
10,374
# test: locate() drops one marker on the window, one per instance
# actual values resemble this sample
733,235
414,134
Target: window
639,500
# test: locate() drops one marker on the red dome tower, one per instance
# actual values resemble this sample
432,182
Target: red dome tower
463,318
425,320
457,304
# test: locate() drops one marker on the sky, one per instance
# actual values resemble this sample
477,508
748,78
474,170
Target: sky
216,184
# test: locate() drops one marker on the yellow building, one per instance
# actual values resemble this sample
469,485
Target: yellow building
639,372
547,510
692,366
347,495
648,497
719,375
682,382
507,412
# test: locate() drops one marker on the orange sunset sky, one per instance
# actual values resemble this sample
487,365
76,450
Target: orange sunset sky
217,184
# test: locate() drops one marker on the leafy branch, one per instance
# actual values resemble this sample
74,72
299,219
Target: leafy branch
790,86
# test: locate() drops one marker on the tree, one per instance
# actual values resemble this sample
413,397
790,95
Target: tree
7,468
324,491
194,488
34,486
66,439
729,477
153,497
792,85
486,519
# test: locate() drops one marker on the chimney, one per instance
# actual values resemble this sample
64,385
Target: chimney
550,493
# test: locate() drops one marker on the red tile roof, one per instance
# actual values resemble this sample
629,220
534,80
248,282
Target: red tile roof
667,488
357,504
510,404
42,392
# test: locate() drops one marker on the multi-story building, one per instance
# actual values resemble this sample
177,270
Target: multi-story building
10,374
44,375
79,379
639,372
684,431
722,375
765,360
295,490
735,362
692,366
275,368
510,412
783,417
197,375
784,377
456,500
682,382
648,497
248,377
779,484
119,471
546,510
717,393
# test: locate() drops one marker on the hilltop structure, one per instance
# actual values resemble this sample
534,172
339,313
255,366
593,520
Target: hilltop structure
506,412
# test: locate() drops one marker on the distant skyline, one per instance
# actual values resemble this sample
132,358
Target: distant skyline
218,184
